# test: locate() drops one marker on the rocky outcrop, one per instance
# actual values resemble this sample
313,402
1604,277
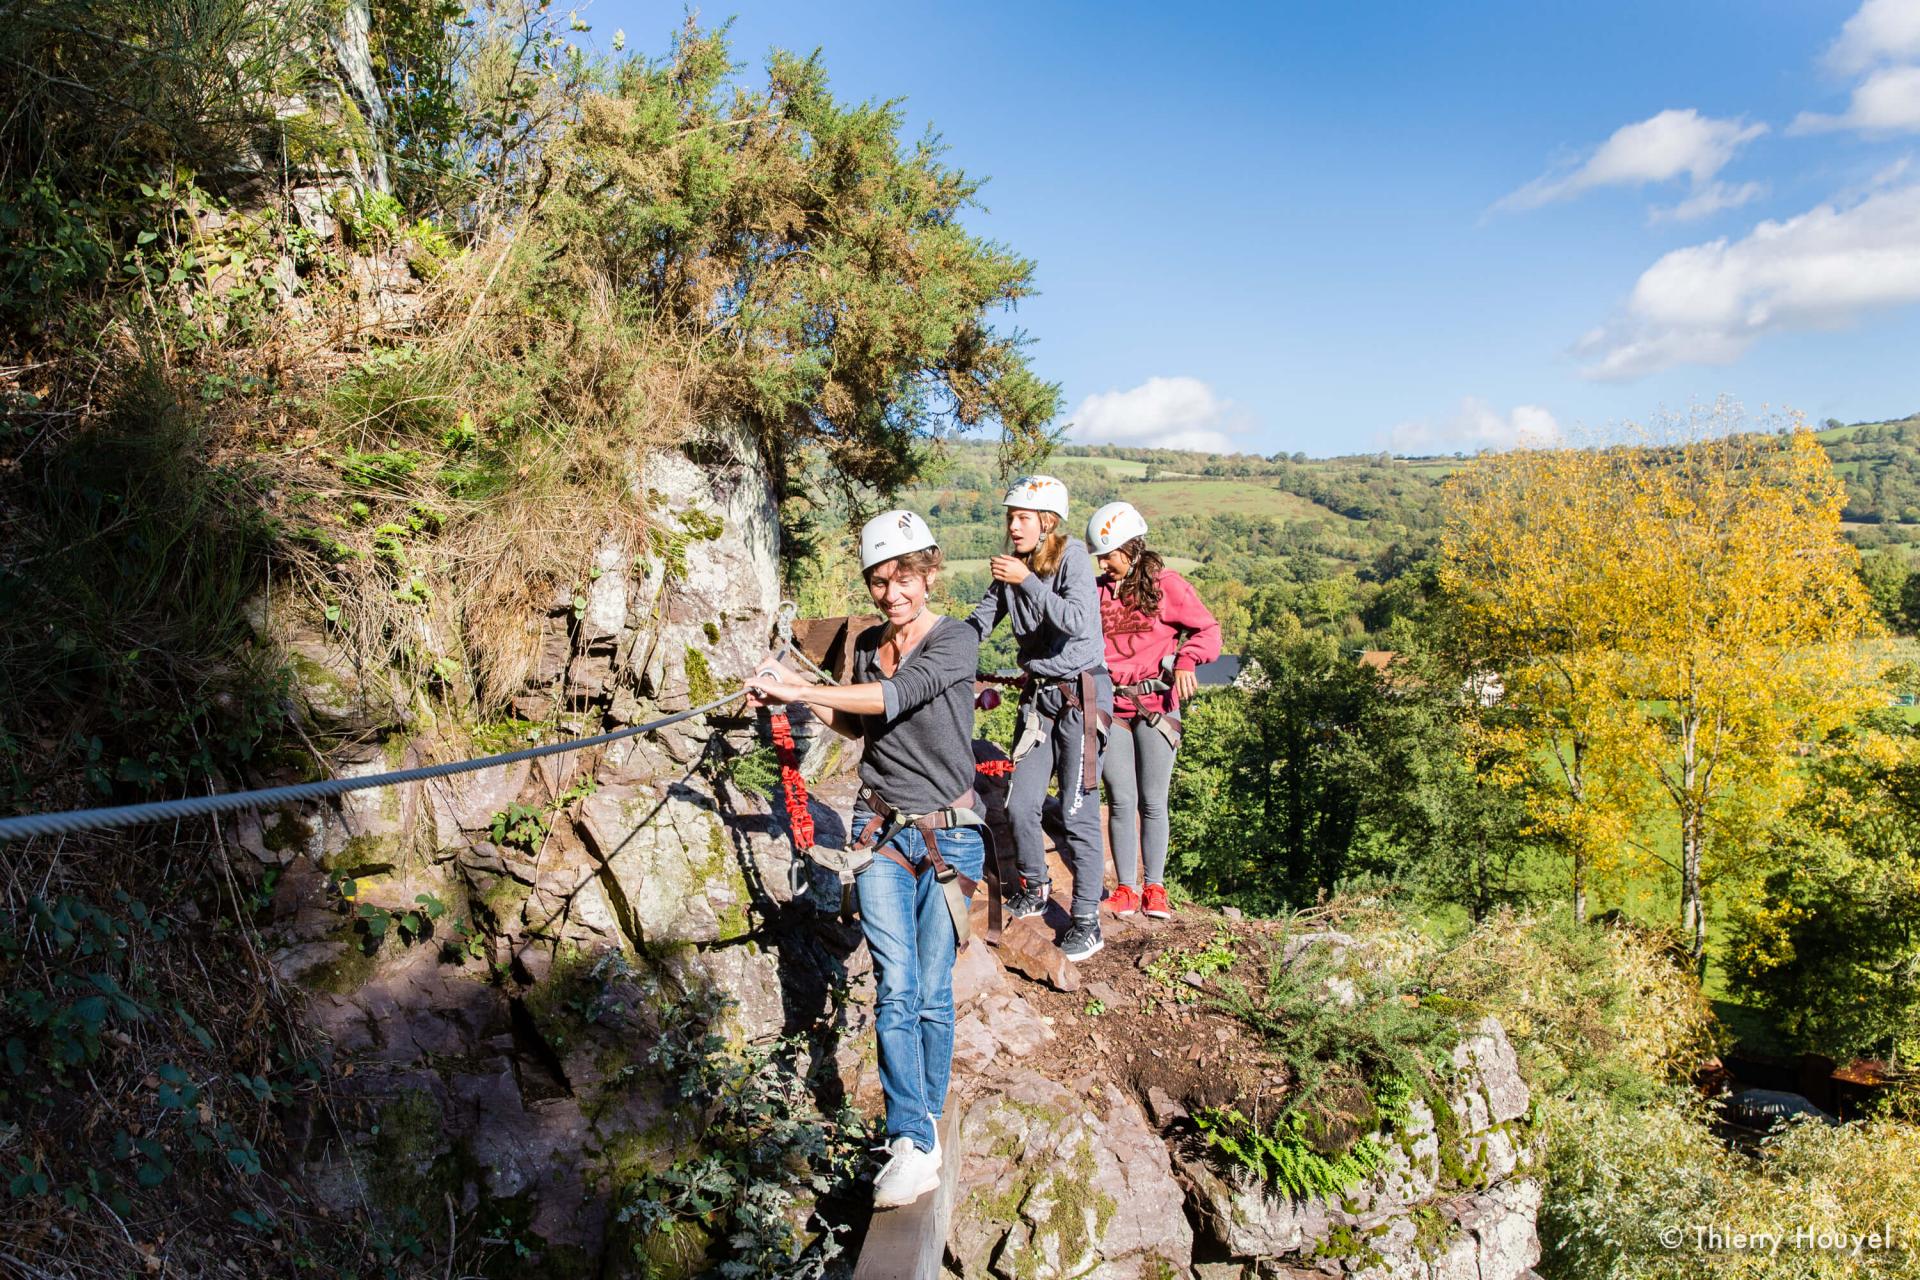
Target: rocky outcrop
1065,1180
1453,1197
497,953
1072,1177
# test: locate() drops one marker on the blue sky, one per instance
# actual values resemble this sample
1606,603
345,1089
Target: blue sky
1337,228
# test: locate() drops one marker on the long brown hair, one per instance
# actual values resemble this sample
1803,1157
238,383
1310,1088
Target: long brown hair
1140,589
1046,557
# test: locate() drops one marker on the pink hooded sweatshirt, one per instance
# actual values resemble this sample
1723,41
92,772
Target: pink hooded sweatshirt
1138,645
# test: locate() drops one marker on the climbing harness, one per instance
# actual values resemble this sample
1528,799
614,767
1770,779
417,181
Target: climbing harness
879,834
1079,692
888,822
1167,723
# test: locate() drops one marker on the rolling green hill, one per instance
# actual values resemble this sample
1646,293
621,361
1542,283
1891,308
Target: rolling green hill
1324,536
1881,464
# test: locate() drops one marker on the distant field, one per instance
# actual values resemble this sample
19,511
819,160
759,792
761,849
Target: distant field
1162,498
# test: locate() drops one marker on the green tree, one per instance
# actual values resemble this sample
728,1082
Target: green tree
1885,577
1829,945
817,268
1266,804
1429,765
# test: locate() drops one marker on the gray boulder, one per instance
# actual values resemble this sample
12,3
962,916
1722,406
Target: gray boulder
1063,1181
1421,1206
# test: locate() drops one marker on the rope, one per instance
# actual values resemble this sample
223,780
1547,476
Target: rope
68,823
74,821
792,785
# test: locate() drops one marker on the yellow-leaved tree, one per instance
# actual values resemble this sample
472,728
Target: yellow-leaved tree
1674,626
1753,635
1530,559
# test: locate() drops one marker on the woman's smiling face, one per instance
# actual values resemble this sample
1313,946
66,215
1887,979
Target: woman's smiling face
900,594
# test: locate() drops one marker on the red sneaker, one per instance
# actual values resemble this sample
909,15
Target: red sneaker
1123,901
1155,901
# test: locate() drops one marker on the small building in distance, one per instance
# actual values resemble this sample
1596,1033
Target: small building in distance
1230,671
1223,670
1484,687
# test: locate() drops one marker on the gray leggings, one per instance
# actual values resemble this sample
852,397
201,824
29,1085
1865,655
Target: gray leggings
1138,770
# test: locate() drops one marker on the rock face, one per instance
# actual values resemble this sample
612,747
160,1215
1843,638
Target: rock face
542,925
1451,1200
1065,1181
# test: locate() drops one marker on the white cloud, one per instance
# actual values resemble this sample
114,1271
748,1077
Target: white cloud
1657,149
1707,304
1160,413
1712,198
1888,101
1881,31
1474,427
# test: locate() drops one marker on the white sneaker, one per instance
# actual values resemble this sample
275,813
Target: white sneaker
909,1174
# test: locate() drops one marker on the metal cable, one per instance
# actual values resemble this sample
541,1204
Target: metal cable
127,815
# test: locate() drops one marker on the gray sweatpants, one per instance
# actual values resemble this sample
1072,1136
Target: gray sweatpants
1077,833
1138,769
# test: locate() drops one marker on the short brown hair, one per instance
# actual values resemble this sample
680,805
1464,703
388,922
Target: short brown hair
919,564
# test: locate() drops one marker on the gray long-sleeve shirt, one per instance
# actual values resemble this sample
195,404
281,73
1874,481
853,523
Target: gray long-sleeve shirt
1056,619
919,751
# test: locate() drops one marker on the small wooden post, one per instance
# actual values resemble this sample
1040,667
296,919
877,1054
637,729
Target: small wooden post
908,1243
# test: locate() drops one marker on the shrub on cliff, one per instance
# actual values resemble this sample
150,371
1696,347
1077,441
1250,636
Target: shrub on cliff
1609,1025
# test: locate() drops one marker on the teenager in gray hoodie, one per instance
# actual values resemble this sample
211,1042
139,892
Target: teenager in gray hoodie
1045,586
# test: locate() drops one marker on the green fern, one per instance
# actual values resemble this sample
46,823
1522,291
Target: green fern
1283,1158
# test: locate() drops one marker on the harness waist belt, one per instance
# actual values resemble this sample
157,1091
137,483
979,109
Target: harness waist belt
887,822
1082,694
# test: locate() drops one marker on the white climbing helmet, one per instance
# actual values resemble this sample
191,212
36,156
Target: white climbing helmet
1115,525
890,534
1038,493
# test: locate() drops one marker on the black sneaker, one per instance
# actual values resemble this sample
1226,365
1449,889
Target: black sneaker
1028,900
1082,940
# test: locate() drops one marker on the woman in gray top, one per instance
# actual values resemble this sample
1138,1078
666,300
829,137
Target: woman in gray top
1046,587
911,704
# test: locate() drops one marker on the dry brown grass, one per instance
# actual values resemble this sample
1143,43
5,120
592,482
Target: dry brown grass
548,413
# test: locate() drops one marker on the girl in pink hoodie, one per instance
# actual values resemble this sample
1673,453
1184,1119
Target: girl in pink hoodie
1157,633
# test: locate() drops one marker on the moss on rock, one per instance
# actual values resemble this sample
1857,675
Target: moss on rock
1056,1197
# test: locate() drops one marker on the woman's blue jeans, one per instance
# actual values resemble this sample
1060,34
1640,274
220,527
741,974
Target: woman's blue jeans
910,933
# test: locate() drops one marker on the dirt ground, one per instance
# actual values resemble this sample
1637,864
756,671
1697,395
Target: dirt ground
1145,1014
1138,1018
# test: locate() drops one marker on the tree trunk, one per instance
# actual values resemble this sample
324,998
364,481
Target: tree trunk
1693,921
1577,789
1692,918
350,42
